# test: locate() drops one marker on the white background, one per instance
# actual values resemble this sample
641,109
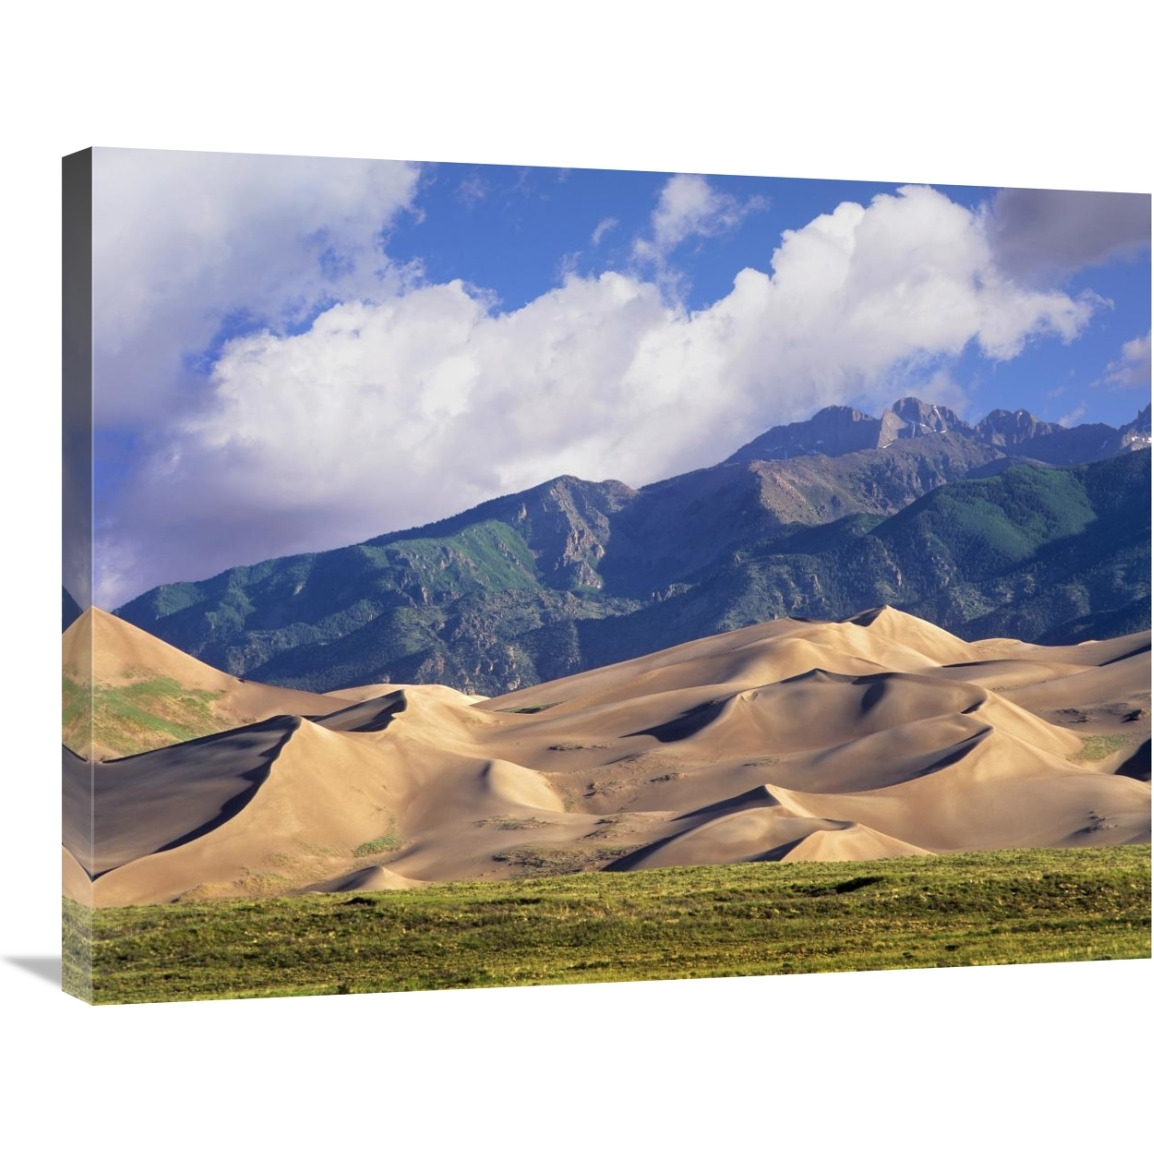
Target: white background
1045,1057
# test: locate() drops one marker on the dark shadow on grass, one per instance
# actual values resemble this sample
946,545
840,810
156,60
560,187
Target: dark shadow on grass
44,967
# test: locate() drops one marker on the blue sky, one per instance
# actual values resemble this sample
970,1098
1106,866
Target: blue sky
294,354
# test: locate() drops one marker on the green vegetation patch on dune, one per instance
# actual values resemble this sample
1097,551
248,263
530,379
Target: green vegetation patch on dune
1099,746
708,921
137,717
385,844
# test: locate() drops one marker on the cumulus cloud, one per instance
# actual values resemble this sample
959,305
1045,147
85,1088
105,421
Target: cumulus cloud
1046,234
1132,368
393,412
690,206
184,241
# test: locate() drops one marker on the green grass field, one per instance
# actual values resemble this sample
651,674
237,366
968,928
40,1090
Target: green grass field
709,921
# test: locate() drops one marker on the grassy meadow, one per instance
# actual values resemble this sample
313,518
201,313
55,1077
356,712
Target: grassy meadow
708,921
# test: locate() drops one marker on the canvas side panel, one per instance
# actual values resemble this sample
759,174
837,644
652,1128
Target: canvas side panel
76,576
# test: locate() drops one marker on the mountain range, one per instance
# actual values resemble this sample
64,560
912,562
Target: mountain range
1013,526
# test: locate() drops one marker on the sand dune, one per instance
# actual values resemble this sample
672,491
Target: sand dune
793,740
1087,653
145,690
369,879
1106,695
853,843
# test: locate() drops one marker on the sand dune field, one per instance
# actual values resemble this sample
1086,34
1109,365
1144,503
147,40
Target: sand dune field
877,736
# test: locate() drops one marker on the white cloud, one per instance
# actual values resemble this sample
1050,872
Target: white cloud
391,413
183,239
1132,368
690,206
687,206
605,226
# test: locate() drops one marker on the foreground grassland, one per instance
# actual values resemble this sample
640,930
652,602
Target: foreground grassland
708,921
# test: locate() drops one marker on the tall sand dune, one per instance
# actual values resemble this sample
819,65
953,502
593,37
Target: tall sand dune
128,692
906,632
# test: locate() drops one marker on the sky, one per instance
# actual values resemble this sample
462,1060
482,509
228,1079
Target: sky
293,354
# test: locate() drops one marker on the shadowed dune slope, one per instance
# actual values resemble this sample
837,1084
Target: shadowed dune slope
792,740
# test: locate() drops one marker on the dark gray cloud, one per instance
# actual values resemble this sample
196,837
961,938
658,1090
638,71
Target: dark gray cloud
1046,234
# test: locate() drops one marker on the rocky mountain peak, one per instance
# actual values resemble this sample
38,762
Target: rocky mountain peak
1136,434
832,431
922,419
1003,428
839,430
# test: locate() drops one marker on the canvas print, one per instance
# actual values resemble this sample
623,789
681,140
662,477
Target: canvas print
478,575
